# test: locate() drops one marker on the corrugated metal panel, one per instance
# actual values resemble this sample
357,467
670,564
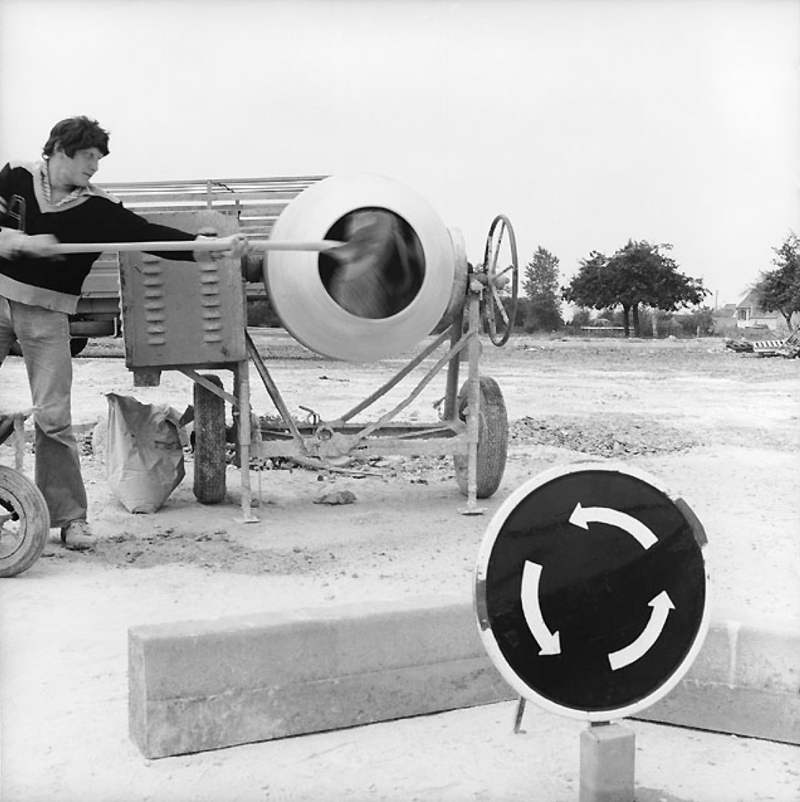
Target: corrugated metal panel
256,201
183,314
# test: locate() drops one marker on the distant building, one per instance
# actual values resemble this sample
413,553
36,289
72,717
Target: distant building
749,315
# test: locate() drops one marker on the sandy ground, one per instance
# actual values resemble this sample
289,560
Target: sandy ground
718,428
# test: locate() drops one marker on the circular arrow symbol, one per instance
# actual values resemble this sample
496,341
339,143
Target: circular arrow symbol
661,605
549,642
583,516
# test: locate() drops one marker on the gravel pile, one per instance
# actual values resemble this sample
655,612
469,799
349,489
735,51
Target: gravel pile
610,436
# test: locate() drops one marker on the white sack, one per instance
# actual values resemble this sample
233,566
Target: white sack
144,455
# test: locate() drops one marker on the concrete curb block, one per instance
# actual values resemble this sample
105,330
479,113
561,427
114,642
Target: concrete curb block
195,686
745,681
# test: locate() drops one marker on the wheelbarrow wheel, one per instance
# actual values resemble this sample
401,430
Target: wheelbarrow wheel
209,443
492,439
24,522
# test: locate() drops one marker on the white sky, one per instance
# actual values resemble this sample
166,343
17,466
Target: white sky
587,122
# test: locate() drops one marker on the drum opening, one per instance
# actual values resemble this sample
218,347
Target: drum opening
380,270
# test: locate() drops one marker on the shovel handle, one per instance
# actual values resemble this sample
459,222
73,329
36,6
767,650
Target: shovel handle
193,245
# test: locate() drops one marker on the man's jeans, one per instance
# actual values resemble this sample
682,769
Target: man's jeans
43,336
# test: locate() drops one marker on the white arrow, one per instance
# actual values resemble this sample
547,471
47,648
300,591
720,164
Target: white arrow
661,605
583,516
549,642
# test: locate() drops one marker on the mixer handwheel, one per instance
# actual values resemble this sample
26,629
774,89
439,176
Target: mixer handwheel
499,305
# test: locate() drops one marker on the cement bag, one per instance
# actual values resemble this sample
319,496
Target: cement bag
144,454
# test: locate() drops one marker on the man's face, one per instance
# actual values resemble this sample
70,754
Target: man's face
79,169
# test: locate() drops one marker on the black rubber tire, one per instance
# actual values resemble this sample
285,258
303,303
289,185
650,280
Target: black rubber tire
209,443
77,344
23,538
492,439
6,428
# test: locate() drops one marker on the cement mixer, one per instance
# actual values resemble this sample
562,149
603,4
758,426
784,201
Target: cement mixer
358,268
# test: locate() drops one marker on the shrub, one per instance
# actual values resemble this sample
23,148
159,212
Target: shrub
261,314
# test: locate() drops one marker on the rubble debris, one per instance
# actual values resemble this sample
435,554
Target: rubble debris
337,497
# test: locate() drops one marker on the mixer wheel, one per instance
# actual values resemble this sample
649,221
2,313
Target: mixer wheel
24,522
209,443
492,439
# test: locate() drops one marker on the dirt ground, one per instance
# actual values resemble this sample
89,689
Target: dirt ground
720,429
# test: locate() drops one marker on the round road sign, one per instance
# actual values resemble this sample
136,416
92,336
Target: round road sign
591,590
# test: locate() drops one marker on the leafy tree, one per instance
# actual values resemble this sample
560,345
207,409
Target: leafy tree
581,317
779,289
699,321
636,274
540,284
261,313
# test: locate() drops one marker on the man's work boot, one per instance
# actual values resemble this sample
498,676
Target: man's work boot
77,536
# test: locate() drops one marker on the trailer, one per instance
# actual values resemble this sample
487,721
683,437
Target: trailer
255,202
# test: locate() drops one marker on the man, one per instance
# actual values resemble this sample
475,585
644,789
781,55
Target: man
42,204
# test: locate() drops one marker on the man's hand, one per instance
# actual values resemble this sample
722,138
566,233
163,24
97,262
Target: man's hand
14,244
232,247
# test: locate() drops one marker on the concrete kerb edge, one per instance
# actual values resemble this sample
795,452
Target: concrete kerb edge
200,685
745,680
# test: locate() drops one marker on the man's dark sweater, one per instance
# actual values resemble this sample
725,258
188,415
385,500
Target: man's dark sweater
94,216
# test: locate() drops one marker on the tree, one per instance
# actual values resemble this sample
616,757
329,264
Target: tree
261,313
543,310
581,317
636,274
698,322
779,289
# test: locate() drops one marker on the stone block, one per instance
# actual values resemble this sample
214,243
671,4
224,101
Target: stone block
200,685
745,681
608,757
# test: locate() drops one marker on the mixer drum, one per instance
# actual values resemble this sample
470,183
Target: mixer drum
400,275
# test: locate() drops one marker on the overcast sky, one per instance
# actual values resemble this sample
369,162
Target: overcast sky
587,122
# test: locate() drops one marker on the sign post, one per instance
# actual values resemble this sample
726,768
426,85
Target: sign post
592,593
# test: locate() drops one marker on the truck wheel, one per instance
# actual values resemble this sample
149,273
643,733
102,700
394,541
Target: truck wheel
24,522
492,439
77,344
209,444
